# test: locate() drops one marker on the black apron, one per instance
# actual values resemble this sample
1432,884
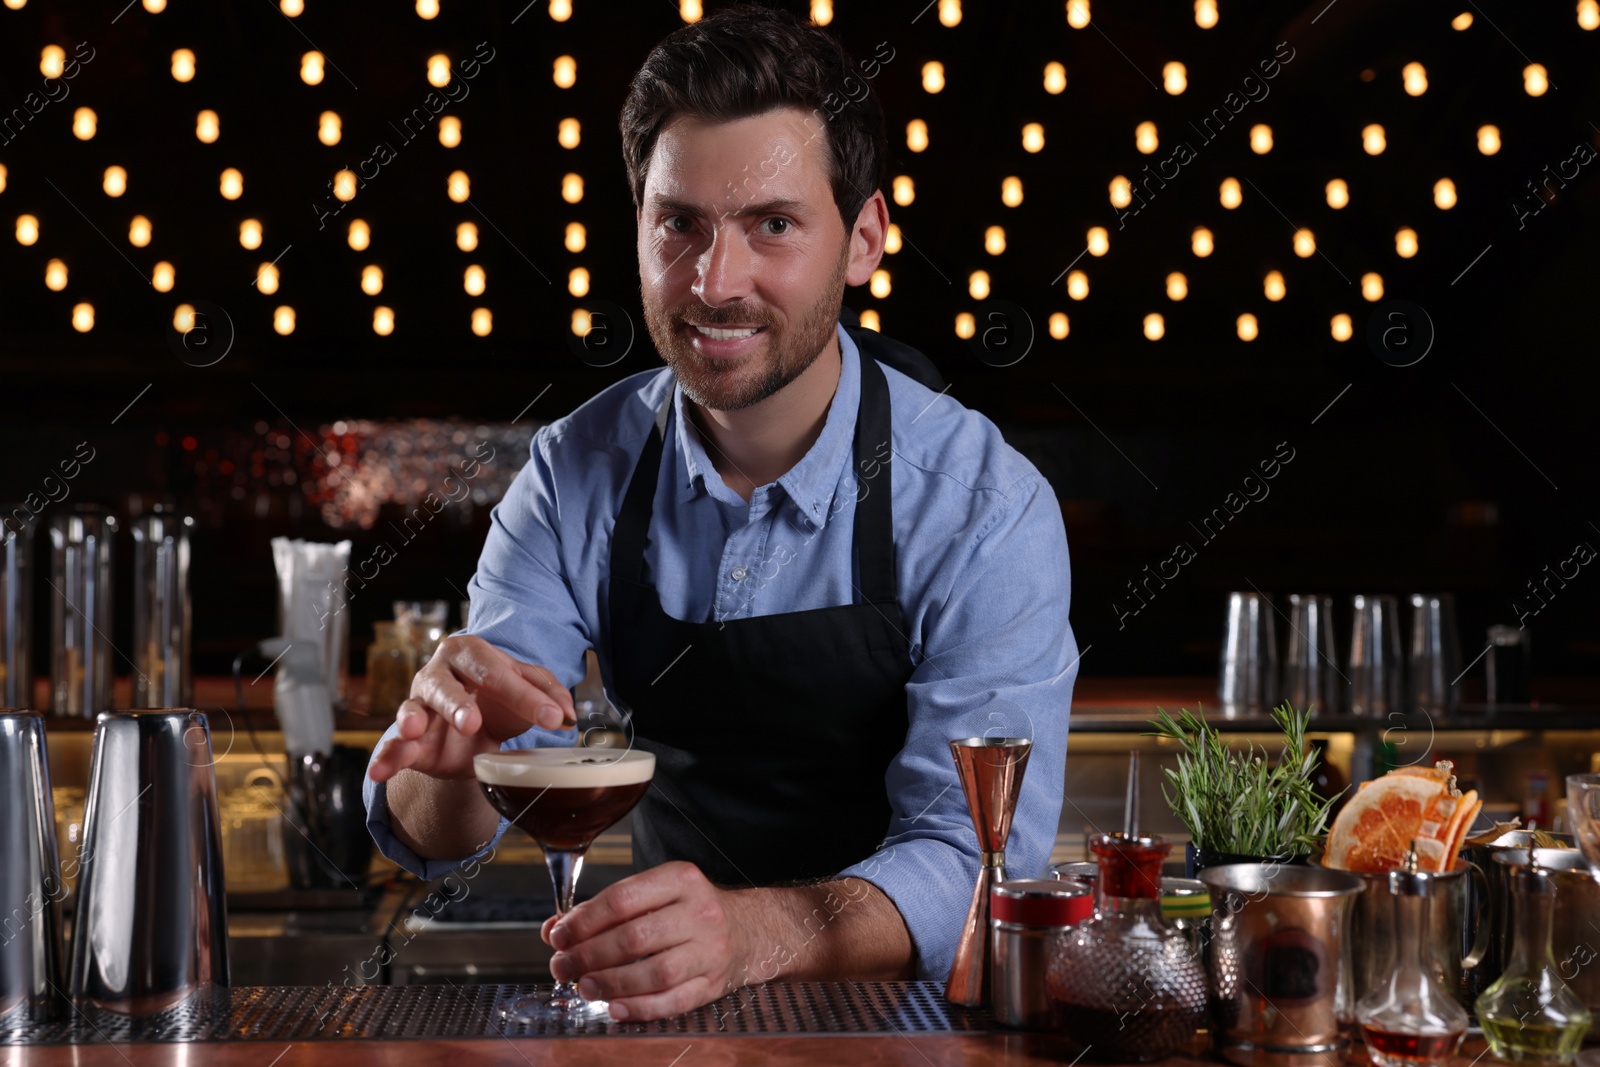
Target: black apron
771,734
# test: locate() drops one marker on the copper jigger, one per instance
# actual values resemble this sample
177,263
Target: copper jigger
991,776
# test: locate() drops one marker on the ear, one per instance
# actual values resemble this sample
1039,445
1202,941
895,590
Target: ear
866,239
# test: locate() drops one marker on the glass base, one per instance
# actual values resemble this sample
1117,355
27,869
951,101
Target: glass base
562,1005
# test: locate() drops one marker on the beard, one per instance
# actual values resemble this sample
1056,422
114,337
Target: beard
783,355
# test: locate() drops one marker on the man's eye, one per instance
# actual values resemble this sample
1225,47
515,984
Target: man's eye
673,220
784,223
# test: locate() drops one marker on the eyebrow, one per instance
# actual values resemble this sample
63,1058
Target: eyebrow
766,207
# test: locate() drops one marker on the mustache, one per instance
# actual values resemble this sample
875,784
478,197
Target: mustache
723,317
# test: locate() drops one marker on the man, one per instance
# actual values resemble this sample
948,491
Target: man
803,571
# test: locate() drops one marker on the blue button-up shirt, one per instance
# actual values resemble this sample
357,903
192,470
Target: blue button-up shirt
983,583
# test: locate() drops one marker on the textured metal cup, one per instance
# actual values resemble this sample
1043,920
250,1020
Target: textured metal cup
1310,663
1435,654
30,883
16,608
152,924
81,541
1375,667
991,770
1276,963
161,620
1249,670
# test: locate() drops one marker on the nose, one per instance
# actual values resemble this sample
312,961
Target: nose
723,272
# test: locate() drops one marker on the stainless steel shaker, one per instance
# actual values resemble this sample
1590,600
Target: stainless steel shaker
152,922
161,618
31,982
16,610
1435,663
81,541
1311,676
1249,670
1375,668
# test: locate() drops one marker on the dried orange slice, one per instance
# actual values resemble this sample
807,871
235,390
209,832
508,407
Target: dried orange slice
1373,830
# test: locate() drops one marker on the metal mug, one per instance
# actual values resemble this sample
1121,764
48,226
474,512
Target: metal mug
1573,940
30,884
1310,663
1249,669
152,924
1459,935
1276,962
1375,667
1493,899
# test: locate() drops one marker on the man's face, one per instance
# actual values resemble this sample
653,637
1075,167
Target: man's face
738,230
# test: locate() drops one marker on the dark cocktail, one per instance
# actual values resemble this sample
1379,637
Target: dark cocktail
563,798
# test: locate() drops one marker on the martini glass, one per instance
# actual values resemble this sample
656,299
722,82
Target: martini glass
1583,814
563,798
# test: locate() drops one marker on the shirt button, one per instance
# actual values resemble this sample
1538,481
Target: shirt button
737,574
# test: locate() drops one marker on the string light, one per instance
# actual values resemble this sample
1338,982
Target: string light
292,8
1588,14
1373,141
1273,286
1077,285
283,320
1099,241
267,279
182,65
139,231
116,181
978,284
183,318
1415,79
1060,326
1011,191
482,321
1055,78
1405,242
1247,327
1535,79
438,70
891,240
1461,21
163,277
1444,194
577,237
311,68
821,12
571,188
207,127
1340,327
474,281
1261,139
1201,242
155,7
950,12
1121,190
359,236
250,234
1305,245
917,135
427,9
870,320
458,187
905,190
1155,327
329,128
450,131
1338,193
383,317
560,10
52,60
1372,286
1032,137
467,236
231,184
1177,286
565,72
1488,139
933,76
84,123
994,241
1205,13
27,229
371,280
1077,13
83,317
966,325
578,282
569,133
1174,78
1144,137
344,186
690,10
880,284
55,276
2,177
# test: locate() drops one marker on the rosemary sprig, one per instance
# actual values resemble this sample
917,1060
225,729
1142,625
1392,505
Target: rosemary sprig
1237,802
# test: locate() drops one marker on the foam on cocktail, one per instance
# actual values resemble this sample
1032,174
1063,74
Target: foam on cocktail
563,768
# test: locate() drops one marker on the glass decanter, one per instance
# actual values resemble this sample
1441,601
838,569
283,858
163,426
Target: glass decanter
1411,1020
1125,984
1529,1015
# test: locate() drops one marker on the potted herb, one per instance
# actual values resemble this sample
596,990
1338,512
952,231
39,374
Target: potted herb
1238,807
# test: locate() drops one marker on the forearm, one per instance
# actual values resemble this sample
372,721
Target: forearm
440,818
844,929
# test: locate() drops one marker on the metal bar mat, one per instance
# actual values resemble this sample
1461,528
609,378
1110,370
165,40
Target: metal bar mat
311,1013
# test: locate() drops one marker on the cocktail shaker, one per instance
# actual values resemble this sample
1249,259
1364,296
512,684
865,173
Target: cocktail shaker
1310,668
152,923
81,540
991,770
1375,666
1248,679
16,610
161,620
1435,664
30,885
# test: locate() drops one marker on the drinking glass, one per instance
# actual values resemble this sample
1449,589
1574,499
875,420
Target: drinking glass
1583,812
563,798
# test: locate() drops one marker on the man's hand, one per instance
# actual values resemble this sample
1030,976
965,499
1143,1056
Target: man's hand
467,699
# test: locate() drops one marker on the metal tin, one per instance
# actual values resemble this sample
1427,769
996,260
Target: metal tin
1024,916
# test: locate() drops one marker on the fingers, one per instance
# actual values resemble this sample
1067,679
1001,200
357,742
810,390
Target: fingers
623,901
511,695
668,983
396,756
438,688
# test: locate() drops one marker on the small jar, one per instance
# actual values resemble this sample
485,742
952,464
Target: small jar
1025,915
389,670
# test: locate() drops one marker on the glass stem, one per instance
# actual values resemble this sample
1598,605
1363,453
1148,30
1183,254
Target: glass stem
564,867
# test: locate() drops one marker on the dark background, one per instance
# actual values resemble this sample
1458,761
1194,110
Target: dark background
1469,471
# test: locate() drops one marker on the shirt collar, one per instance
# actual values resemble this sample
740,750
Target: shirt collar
812,482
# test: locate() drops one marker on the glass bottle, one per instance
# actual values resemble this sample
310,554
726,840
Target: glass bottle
389,670
1410,1019
1529,1015
1125,984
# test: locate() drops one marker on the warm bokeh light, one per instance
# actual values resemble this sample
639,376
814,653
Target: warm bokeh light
163,277
1201,242
1145,139
879,284
250,234
1372,286
371,280
139,231
690,10
182,65
85,124
293,8
822,12
949,12
1121,190
475,281
1247,327
1032,137
1205,13
344,185
1077,285
283,320
115,182
482,322
581,322
933,76
1415,79
560,10
438,70
1461,21
1305,243
870,321
1338,193
311,74
1405,242
1273,285
569,133
231,185
1011,191
1099,241
1444,193
2,177
565,72
55,276
978,284
1060,325
1340,327
578,281
207,127
83,317
183,318
27,229
1488,139
994,241
1231,194
383,321
1373,141
891,240
905,190
577,237
428,9
1077,13
966,325
571,188
467,236
1155,327
1177,286
1535,79
1055,78
52,60
1589,14
1174,78
329,128
917,135
267,279
359,235
1261,138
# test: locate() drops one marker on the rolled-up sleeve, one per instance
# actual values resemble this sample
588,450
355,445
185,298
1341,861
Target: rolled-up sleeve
999,660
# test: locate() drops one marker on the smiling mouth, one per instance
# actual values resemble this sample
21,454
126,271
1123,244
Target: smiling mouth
725,333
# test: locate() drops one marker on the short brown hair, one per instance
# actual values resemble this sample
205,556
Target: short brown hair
747,60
